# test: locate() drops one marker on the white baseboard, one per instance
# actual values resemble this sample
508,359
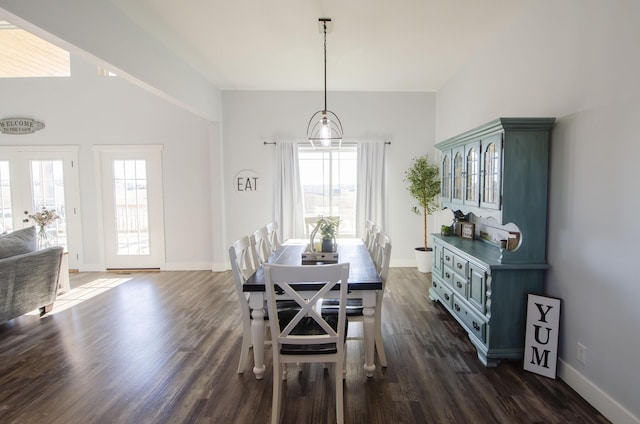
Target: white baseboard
187,266
219,267
91,268
600,400
171,266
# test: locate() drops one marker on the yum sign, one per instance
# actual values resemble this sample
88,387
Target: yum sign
541,340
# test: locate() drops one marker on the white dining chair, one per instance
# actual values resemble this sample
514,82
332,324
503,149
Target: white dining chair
367,232
381,257
375,230
243,266
310,223
274,238
260,243
307,336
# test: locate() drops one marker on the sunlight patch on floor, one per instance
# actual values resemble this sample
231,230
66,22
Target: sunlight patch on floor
79,294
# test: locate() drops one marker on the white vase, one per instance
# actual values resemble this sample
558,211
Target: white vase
424,259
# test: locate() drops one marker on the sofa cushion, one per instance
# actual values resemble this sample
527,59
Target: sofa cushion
18,242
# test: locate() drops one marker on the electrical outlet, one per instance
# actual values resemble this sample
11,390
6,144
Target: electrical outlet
582,353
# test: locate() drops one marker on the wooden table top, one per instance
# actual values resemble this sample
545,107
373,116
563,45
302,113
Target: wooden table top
362,271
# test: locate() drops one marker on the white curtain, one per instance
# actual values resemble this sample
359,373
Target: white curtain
288,203
371,193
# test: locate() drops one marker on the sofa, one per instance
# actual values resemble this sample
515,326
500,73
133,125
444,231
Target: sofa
28,276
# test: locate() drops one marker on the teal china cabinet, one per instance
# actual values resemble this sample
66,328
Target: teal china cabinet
497,174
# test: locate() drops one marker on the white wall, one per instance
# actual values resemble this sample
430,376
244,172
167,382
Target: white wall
251,117
577,60
88,110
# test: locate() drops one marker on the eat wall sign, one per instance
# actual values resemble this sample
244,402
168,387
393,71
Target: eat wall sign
246,180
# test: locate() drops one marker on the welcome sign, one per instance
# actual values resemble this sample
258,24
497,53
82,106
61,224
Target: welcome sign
541,340
19,126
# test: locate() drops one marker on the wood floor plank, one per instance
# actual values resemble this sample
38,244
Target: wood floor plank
162,347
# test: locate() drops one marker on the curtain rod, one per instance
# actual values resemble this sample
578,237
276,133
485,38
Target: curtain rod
346,142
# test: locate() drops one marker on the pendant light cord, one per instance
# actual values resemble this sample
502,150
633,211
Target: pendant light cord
325,64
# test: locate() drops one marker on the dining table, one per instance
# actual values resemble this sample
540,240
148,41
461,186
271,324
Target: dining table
364,282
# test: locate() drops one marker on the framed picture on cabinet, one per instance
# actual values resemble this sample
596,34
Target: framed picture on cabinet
467,230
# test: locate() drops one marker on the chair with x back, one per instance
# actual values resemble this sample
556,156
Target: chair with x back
274,239
306,335
367,232
373,239
381,256
243,266
261,245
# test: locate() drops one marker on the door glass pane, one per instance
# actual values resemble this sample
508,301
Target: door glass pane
6,218
47,188
132,218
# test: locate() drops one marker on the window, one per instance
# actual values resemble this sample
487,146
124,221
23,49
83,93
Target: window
329,182
104,72
24,55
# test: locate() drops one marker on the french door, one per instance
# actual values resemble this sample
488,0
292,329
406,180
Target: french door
37,177
132,206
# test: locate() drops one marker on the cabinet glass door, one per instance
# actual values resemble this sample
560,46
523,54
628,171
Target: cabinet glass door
445,178
491,173
458,166
472,174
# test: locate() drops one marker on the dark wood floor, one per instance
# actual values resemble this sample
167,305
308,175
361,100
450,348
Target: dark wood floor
163,348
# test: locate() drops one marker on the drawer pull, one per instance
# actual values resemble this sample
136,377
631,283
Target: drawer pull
448,258
435,284
448,275
456,307
476,326
459,265
446,296
459,284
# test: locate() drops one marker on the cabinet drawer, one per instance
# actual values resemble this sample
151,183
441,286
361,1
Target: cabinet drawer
460,265
459,284
443,291
448,258
447,275
472,321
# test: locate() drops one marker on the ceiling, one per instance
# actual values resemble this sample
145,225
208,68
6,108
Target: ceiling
374,45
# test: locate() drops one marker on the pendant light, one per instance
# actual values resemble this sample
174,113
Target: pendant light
325,129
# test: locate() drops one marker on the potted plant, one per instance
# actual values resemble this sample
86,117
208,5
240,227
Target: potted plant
423,181
328,228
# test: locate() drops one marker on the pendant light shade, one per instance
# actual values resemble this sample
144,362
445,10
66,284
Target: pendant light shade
325,129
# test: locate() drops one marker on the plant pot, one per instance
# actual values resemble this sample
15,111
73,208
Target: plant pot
327,245
424,259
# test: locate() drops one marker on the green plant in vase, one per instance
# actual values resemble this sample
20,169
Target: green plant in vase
423,181
328,228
